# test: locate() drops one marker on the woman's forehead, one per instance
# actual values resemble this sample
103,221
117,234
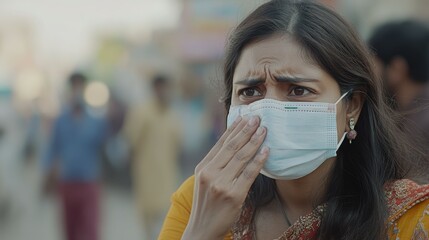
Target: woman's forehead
279,55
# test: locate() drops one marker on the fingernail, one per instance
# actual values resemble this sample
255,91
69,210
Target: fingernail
253,120
260,131
264,150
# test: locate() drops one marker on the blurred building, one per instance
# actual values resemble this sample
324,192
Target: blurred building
366,14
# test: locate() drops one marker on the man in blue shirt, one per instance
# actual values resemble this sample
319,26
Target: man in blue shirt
75,146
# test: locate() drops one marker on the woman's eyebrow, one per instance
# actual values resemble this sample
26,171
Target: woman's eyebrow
282,79
250,81
288,79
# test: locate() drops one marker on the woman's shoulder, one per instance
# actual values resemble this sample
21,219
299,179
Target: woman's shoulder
180,210
402,195
184,194
408,204
178,216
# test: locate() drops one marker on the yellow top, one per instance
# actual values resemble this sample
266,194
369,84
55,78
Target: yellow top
408,221
178,215
413,225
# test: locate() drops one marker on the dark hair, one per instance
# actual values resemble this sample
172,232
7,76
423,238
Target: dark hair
77,78
356,207
407,39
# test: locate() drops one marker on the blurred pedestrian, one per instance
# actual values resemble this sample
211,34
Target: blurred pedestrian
153,133
402,56
74,149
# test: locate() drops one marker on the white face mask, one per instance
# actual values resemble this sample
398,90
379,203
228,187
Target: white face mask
300,135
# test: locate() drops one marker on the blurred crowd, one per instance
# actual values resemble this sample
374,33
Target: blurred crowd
137,116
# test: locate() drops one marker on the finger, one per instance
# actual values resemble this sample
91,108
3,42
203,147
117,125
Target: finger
215,149
234,142
247,125
245,180
241,158
238,121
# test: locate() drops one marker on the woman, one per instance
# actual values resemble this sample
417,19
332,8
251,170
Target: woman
298,80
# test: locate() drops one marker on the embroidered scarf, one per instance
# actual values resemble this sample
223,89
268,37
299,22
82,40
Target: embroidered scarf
401,195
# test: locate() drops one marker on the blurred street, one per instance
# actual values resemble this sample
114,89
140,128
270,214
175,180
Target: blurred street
31,216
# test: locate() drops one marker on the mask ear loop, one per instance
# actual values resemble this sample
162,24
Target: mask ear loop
344,135
342,96
341,141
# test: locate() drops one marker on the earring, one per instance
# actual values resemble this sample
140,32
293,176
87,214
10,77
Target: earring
351,135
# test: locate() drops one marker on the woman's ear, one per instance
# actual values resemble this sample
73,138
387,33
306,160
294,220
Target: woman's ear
354,106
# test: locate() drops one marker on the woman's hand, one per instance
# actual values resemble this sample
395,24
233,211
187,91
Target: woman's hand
223,179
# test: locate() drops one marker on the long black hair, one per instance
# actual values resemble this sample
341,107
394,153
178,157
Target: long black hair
356,207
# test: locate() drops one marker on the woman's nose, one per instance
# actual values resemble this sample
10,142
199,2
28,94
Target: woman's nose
274,92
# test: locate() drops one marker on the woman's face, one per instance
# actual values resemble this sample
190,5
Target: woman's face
276,68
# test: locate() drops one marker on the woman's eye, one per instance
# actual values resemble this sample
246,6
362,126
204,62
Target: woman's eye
299,91
249,92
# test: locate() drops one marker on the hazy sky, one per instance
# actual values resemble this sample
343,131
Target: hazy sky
67,27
